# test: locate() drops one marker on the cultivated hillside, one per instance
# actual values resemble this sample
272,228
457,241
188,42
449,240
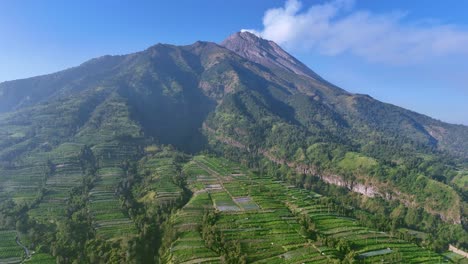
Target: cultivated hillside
82,147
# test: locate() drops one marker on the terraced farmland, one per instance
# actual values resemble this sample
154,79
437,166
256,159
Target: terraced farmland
257,217
41,258
265,229
10,252
67,173
22,181
370,245
159,187
189,246
109,218
262,217
114,153
455,258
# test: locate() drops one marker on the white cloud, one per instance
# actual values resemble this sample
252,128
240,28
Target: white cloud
335,27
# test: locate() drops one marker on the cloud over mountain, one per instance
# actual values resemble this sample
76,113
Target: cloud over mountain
337,27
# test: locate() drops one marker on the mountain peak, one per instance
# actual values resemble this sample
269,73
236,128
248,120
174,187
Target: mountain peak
266,53
247,36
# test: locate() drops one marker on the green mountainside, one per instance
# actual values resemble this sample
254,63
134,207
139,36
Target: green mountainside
101,164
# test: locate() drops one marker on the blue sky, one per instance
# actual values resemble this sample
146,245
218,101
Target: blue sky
409,53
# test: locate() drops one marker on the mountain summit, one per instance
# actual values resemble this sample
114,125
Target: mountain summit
265,52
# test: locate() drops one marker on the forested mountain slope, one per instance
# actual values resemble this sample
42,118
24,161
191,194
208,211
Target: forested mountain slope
81,158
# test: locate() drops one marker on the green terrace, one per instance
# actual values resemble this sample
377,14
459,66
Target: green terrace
263,217
159,180
66,173
41,258
10,251
267,231
109,217
370,245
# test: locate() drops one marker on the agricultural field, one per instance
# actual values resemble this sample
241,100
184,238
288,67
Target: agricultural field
22,180
160,173
370,245
41,258
189,246
266,230
261,219
114,153
66,173
10,252
455,258
110,219
262,216
22,183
